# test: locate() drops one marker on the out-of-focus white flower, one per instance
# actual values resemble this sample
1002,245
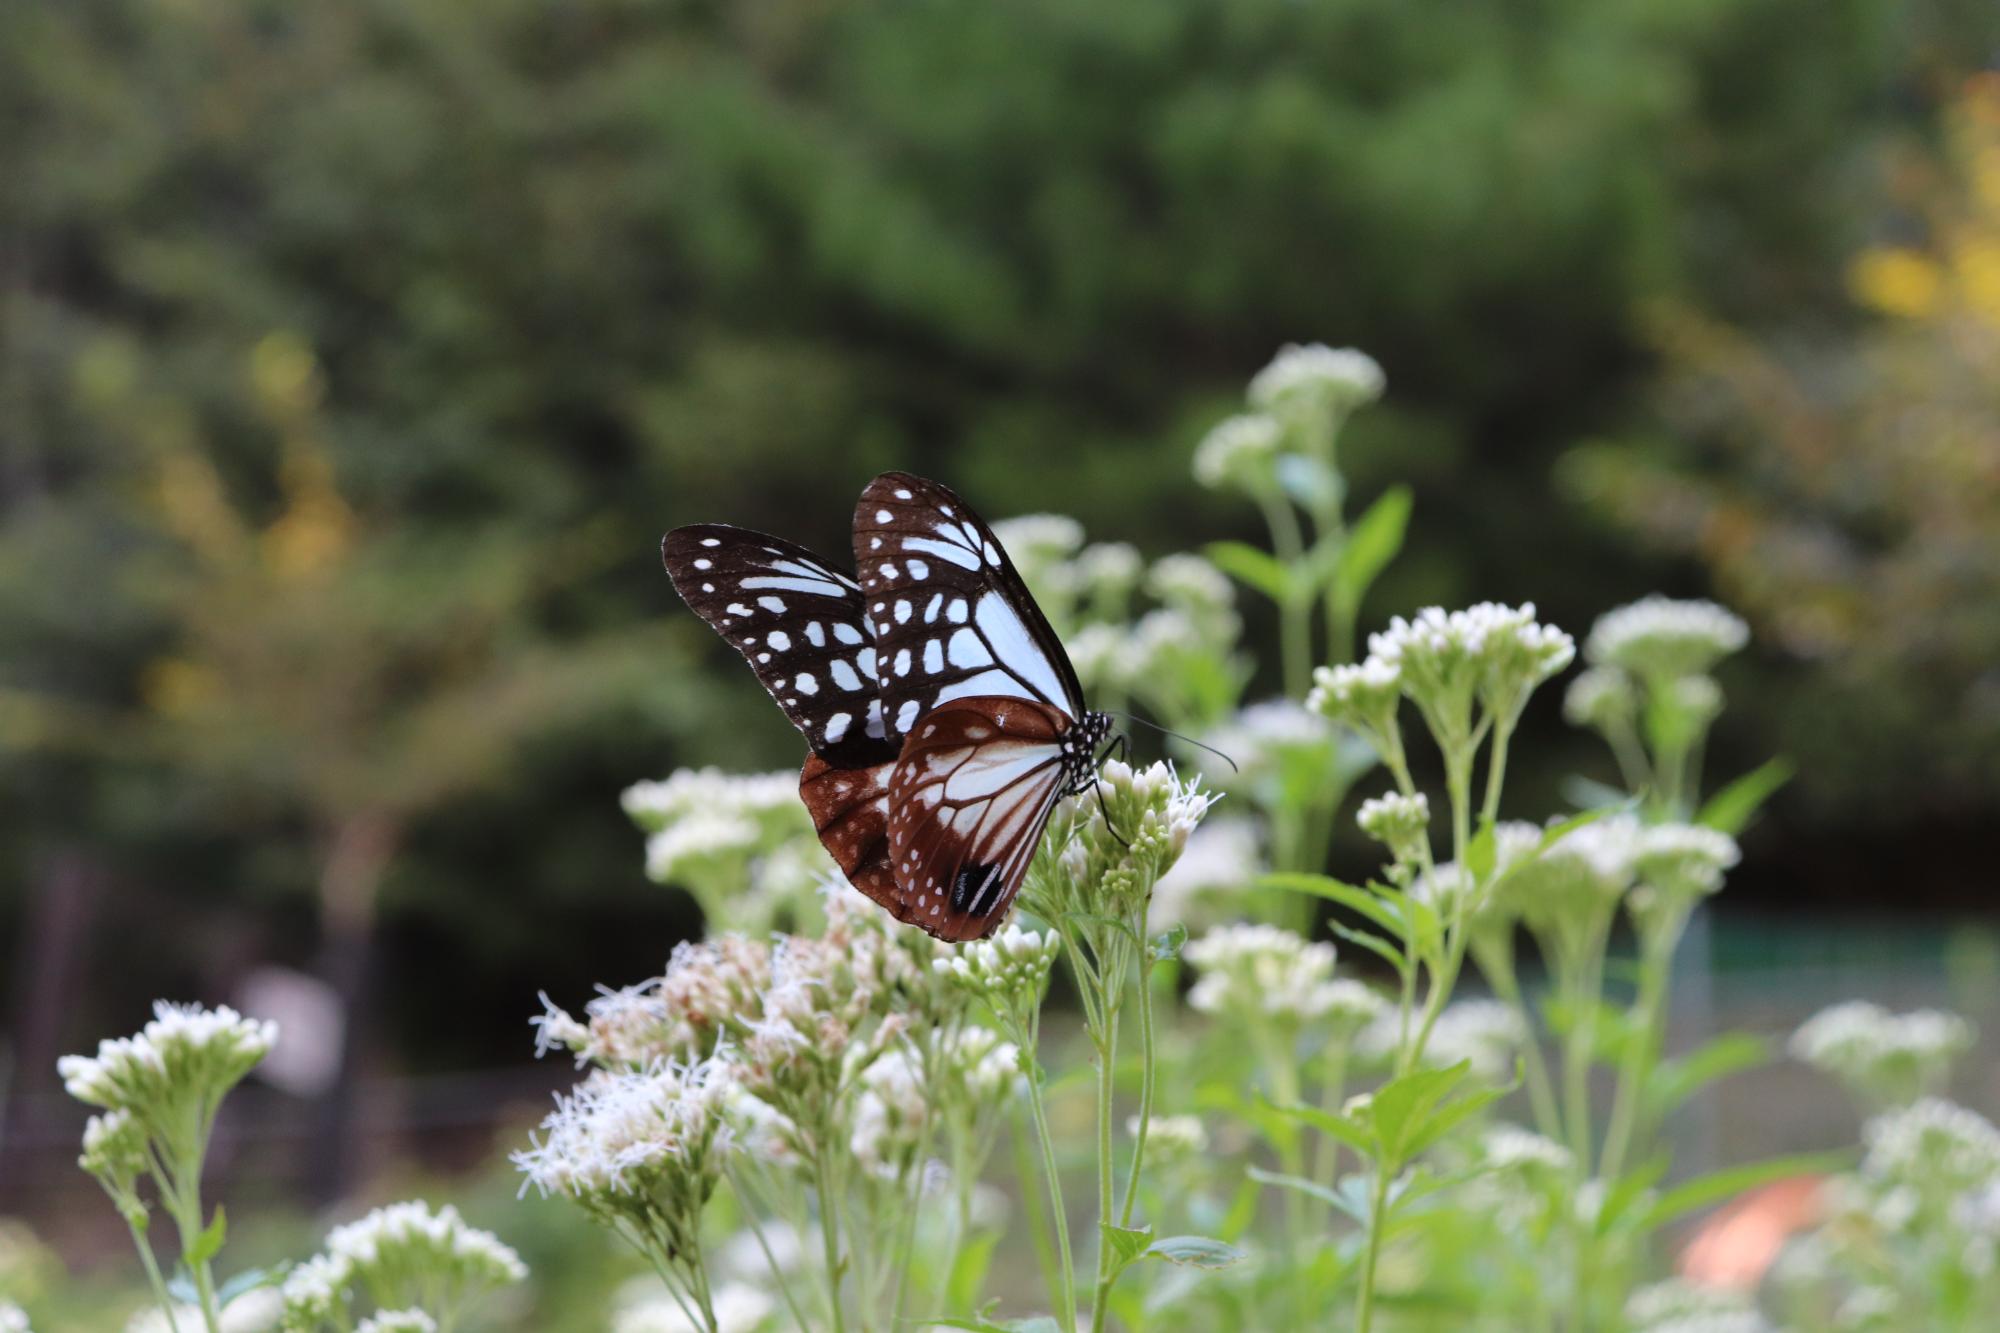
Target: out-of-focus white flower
1485,1032
397,1321
1037,540
1108,571
1315,377
1680,1306
13,1319
1099,653
1171,1135
1286,754
691,791
1268,972
1190,584
1602,698
1684,859
1571,884
253,1312
1223,855
187,1054
1932,1145
1399,822
1239,451
643,1306
891,1114
407,1249
1882,1055
1511,1148
1660,637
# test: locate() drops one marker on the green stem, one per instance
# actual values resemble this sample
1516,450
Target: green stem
1146,1081
1294,613
1506,984
1641,1053
1326,1158
829,1229
1107,1059
770,1257
1066,1294
1364,1305
1038,1226
159,1283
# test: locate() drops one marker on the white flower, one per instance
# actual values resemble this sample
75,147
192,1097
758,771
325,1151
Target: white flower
253,1312
1319,377
1485,1032
1240,450
1400,823
1267,971
397,1321
1511,1148
1932,1144
1191,584
1108,569
890,1115
1684,858
411,1236
1171,1135
186,1053
1659,637
1500,653
619,1133
1601,697
315,1292
1571,882
1009,968
643,1306
1362,694
1037,540
1879,1053
689,791
13,1319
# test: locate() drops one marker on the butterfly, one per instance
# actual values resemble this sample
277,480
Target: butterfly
944,718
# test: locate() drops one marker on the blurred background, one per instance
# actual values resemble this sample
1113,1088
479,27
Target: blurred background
354,357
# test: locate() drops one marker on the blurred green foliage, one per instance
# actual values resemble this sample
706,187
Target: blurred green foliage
604,266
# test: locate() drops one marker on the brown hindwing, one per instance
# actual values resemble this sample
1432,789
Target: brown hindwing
850,810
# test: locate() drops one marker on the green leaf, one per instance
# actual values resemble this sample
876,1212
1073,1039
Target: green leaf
1401,1106
1311,1189
1678,1079
251,1279
1124,1243
1195,1252
968,1271
1703,1191
209,1243
1344,1129
1260,569
1372,543
1368,904
1449,1116
1730,809
1482,852
1167,944
1375,944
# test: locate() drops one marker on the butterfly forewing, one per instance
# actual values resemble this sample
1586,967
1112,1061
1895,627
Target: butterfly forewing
800,624
967,804
952,618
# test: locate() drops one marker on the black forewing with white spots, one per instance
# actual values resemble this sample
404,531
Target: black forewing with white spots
952,618
800,624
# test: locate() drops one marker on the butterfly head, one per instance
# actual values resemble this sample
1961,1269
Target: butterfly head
1080,747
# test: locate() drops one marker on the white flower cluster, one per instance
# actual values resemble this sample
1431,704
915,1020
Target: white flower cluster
1680,1306
1270,973
1009,969
1581,876
701,823
1224,854
1125,838
1317,377
1511,1148
1172,1135
407,1249
13,1319
1933,1145
186,1053
1191,584
1486,1033
1239,451
681,1015
1500,652
1035,540
1683,859
621,1135
1660,637
1363,694
1601,697
397,1321
1279,746
1880,1054
1399,822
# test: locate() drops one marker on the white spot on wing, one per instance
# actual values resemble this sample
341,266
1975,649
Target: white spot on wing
805,684
738,609
906,716
1016,648
883,516
836,727
934,657
843,674
846,633
902,661
902,611
943,550
968,650
816,634
711,541
780,640
704,564
772,603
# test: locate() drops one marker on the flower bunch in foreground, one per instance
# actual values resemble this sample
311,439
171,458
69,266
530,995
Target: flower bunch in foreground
393,1257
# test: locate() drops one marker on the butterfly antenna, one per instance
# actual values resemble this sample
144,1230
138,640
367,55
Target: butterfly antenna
1168,731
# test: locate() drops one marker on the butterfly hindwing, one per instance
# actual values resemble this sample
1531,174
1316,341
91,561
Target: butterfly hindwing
952,618
968,801
850,812
799,623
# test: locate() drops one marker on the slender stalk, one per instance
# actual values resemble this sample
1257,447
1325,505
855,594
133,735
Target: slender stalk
1506,984
770,1257
1037,1108
1107,1057
1640,1053
1364,1306
1146,1082
1038,1226
829,1229
1294,613
159,1283
1326,1158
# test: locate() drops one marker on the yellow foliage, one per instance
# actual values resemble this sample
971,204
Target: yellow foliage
284,374
176,688
1896,282
317,527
